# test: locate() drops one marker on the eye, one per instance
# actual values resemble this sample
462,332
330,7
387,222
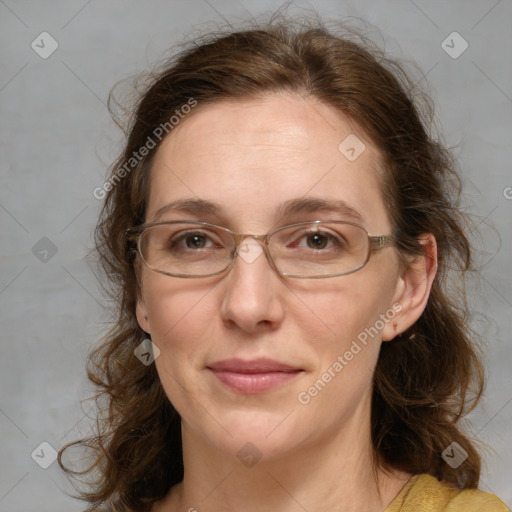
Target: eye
316,240
192,240
195,241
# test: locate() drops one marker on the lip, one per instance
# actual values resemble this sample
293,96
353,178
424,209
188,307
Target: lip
255,376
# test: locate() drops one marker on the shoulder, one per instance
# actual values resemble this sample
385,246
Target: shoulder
424,493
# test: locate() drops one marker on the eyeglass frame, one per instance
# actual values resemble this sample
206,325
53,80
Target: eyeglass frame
134,235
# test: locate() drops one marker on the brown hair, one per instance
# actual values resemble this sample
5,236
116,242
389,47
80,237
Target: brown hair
425,380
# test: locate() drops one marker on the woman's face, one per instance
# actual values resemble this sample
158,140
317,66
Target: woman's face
249,158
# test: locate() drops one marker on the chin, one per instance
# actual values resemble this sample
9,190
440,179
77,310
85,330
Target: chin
257,447
256,434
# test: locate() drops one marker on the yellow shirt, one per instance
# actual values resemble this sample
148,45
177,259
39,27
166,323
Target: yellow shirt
424,493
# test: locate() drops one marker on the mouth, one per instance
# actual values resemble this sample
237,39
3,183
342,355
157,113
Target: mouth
256,376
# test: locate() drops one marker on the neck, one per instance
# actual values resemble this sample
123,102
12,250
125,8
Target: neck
325,475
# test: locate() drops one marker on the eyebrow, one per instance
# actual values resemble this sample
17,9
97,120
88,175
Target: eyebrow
316,204
287,209
191,205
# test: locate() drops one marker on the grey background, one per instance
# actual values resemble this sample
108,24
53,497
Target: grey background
57,140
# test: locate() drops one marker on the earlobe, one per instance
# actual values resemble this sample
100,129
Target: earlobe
413,289
142,316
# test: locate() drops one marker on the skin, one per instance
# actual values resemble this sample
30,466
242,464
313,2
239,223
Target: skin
248,157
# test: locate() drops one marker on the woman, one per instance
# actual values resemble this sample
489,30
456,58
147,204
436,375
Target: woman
280,231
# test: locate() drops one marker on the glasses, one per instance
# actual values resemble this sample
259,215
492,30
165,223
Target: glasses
309,250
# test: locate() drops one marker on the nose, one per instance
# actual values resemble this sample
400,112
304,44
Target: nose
253,291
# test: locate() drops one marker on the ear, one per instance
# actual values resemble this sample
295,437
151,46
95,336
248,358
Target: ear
413,288
142,315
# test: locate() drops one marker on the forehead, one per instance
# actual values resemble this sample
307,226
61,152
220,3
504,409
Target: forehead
251,156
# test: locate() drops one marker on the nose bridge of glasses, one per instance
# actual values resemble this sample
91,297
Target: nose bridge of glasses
240,237
249,247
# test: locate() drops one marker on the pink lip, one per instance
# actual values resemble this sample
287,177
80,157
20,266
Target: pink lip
253,376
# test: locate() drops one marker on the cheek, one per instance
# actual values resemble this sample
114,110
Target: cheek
178,312
179,321
345,348
343,308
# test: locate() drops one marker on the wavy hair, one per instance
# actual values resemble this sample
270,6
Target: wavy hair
425,381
